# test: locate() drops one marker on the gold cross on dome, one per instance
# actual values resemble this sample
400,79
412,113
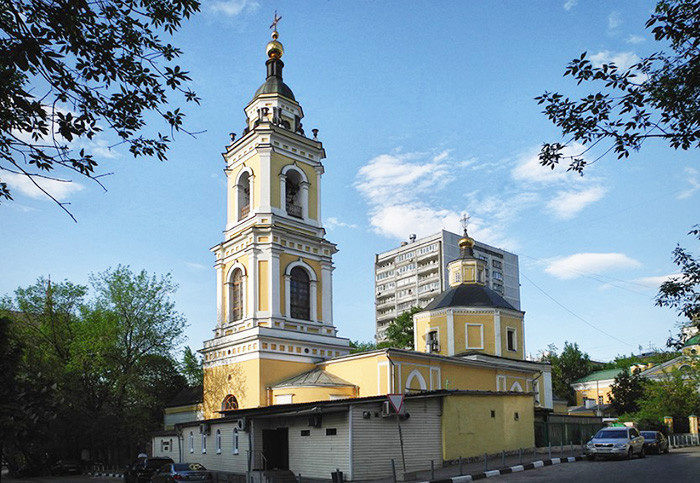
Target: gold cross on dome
275,21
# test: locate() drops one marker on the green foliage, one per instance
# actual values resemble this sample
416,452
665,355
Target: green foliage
659,97
67,69
682,293
675,396
399,334
625,362
571,365
361,346
191,367
627,391
84,373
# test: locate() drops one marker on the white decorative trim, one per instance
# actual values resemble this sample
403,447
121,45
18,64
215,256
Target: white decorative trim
497,332
516,387
467,344
450,333
500,383
229,303
415,373
438,378
515,338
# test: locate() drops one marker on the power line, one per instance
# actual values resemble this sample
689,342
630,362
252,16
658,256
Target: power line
574,314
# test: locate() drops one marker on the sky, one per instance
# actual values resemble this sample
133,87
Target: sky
426,112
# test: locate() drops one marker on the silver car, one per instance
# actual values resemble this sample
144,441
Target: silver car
622,442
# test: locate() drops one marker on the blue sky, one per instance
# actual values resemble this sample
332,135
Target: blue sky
426,111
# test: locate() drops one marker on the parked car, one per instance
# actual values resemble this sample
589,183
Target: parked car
141,470
176,472
622,442
66,467
655,442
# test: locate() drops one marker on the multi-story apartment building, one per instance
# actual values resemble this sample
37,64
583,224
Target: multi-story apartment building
414,273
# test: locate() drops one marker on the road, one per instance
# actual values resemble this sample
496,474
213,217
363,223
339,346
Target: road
678,466
62,479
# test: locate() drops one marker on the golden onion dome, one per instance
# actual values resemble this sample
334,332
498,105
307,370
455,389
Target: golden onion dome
274,49
466,242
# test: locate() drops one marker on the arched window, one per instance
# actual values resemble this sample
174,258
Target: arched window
292,194
243,188
191,442
235,441
218,441
236,295
299,294
204,443
229,403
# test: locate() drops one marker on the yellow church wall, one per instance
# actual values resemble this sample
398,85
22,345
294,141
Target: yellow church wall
239,379
273,371
470,323
370,374
309,394
507,322
277,163
263,285
426,324
476,424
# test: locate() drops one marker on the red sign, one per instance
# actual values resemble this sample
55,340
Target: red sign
396,400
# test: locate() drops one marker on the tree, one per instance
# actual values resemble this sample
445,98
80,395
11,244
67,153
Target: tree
360,346
627,391
399,334
676,396
191,367
71,67
571,365
682,292
656,98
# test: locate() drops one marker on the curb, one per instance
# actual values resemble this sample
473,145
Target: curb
505,471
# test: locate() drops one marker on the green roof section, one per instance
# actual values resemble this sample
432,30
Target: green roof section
695,340
601,375
315,377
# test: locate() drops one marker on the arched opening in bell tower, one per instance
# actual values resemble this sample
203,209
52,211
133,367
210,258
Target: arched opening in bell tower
292,195
243,188
236,295
300,294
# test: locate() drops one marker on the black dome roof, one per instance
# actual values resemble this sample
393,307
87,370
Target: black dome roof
274,85
469,295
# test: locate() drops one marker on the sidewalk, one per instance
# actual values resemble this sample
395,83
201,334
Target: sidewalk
495,465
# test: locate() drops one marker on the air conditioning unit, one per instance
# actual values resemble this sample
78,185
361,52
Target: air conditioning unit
204,428
431,343
387,409
315,421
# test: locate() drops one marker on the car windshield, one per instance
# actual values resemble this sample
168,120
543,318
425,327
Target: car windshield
157,463
611,434
189,467
649,434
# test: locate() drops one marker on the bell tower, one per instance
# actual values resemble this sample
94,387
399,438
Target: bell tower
274,267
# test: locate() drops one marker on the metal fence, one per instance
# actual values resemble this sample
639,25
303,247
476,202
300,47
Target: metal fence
682,440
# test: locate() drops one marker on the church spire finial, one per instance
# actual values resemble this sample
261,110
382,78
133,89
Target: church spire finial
274,48
466,243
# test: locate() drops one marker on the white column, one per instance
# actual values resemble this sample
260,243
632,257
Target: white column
327,294
247,308
283,189
319,172
450,333
275,284
497,331
287,296
265,181
305,200
253,283
220,309
313,302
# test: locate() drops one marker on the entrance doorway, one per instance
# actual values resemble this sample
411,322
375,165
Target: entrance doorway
276,448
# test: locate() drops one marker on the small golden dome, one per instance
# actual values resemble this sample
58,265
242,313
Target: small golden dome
274,49
466,242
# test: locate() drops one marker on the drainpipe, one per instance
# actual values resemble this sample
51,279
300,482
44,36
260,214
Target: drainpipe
392,377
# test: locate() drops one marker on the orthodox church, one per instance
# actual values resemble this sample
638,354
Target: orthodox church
281,388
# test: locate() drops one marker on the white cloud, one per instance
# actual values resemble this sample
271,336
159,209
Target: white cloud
635,39
332,222
614,20
694,180
232,8
58,189
529,170
656,281
197,266
570,4
623,60
567,204
581,264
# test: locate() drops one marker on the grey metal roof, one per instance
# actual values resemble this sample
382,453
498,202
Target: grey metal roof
274,85
469,295
316,377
